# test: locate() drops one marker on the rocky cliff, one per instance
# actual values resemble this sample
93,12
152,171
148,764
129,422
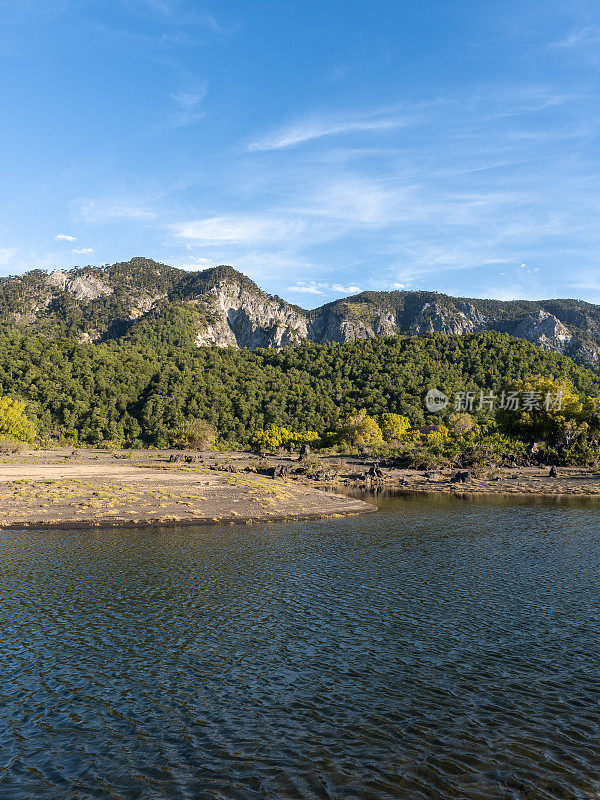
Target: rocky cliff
92,304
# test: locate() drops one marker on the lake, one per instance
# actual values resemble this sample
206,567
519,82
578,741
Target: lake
440,648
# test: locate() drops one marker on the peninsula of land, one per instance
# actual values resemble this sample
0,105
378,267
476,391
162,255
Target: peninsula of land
87,488
67,488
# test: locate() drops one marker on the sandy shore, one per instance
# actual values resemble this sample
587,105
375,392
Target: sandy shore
94,488
85,488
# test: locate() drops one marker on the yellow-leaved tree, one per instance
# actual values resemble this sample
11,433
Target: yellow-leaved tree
393,426
14,424
547,409
359,429
276,436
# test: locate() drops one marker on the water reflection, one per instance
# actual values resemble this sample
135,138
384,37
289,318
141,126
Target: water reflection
437,649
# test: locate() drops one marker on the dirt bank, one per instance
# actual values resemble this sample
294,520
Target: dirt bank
62,488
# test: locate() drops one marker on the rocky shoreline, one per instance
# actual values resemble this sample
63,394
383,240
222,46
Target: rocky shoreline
97,488
347,473
538,481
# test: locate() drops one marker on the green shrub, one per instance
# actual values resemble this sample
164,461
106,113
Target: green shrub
197,435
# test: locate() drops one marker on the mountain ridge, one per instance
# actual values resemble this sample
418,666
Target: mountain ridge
230,310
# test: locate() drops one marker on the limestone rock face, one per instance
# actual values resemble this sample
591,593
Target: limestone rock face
143,304
436,318
474,319
545,330
587,354
385,324
82,287
245,319
329,326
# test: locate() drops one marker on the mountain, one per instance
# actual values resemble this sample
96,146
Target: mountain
227,309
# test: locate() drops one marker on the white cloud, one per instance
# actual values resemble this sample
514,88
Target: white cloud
180,15
238,229
315,128
580,37
587,280
319,287
6,255
305,289
354,200
196,263
189,99
64,237
82,250
189,267
488,187
337,287
270,267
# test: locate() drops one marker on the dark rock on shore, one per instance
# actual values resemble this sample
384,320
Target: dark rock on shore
461,476
434,476
323,475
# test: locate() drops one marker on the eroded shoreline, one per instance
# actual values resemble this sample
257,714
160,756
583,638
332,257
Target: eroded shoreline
90,489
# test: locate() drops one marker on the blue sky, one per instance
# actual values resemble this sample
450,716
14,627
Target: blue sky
321,148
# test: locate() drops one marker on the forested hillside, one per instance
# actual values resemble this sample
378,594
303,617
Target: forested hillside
145,388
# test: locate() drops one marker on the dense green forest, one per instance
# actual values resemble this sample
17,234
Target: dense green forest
147,387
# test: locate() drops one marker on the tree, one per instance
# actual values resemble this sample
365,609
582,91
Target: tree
198,435
276,436
14,424
393,426
547,409
461,424
361,430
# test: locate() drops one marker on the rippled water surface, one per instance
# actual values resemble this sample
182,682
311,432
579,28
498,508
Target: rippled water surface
437,649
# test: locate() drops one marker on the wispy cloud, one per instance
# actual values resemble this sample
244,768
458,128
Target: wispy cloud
312,288
198,263
6,255
238,229
322,288
337,287
64,237
485,191
580,37
527,268
188,105
190,98
352,199
178,13
80,251
318,127
586,280
99,211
